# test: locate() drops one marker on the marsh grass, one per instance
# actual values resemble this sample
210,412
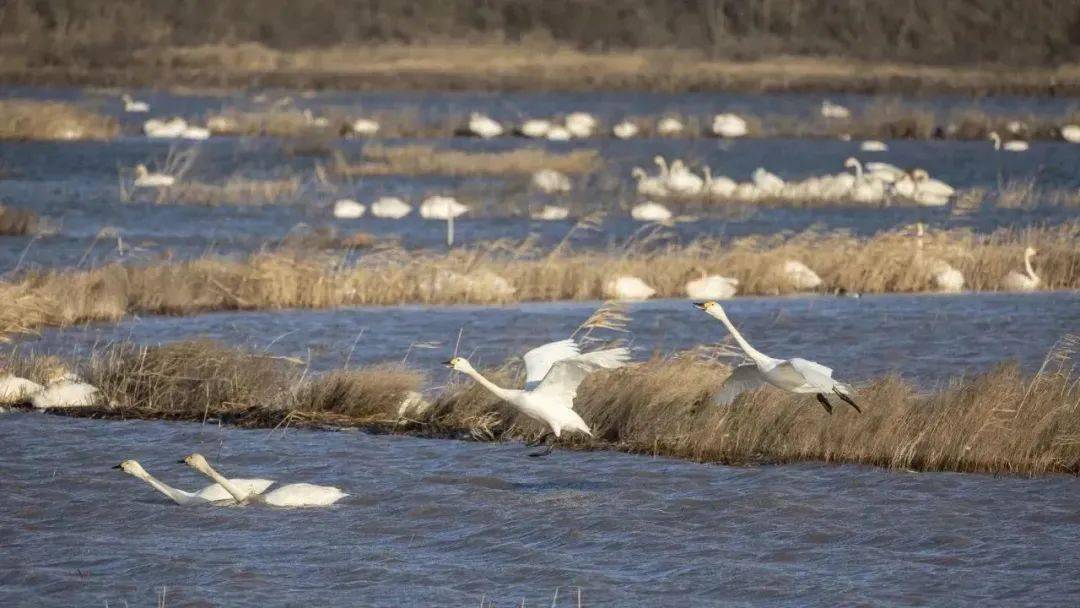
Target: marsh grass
52,120
236,190
1001,421
421,160
503,272
270,123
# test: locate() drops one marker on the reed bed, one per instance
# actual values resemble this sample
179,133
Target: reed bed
33,119
269,123
17,222
235,191
501,273
1001,421
429,160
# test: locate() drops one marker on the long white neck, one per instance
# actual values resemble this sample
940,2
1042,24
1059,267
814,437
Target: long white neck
177,496
1027,267
663,166
858,170
496,390
231,488
758,357
994,137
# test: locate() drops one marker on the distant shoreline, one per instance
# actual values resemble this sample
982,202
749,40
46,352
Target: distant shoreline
525,68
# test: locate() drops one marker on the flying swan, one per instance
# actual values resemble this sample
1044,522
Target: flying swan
792,375
291,495
210,494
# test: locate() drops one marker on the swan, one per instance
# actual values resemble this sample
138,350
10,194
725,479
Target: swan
661,164
14,389
873,145
558,133
65,389
669,127
747,191
390,207
1014,145
580,124
195,132
551,181
131,105
1015,126
210,494
549,396
721,187
833,110
800,275
1028,281
315,121
413,404
729,125
792,375
649,185
484,127
884,171
145,179
863,189
535,127
767,183
683,181
625,130
348,209
165,129
441,208
1071,133
551,213
946,278
628,289
712,287
291,495
364,127
650,212
540,360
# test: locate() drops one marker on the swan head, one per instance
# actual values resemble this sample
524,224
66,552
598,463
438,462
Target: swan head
712,308
131,467
1030,252
126,98
459,364
920,175
141,170
851,162
197,462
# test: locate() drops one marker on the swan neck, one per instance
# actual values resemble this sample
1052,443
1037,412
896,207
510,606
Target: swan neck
496,390
175,495
750,351
231,488
1027,267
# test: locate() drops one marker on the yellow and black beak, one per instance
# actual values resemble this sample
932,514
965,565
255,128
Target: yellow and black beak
700,305
449,363
119,466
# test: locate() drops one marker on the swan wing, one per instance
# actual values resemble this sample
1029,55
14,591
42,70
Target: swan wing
815,374
611,358
303,495
214,492
743,378
561,383
539,360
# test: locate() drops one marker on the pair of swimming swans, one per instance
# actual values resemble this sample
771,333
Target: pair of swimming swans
236,491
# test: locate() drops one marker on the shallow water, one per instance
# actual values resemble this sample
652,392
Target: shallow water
445,523
928,339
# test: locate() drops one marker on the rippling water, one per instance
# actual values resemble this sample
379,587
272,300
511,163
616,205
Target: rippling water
444,523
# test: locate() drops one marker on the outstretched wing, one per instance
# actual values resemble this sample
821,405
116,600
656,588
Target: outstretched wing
608,359
539,360
815,374
743,378
564,378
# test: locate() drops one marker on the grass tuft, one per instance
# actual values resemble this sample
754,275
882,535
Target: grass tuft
33,119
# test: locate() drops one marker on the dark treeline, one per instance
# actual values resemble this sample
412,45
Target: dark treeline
1031,32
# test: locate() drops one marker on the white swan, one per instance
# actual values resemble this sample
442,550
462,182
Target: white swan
165,129
65,389
535,127
683,181
132,105
441,208
650,212
712,287
1014,145
729,125
1028,281
315,121
364,127
551,213
14,389
540,360
390,207
558,133
550,400
768,184
210,494
348,209
483,126
669,127
625,130
720,187
833,110
551,181
792,375
873,145
628,289
195,132
580,124
884,171
649,185
946,278
1071,133
800,275
864,189
145,179
291,495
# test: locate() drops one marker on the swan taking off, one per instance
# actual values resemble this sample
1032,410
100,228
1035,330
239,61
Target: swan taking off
145,179
291,495
390,207
553,373
1028,281
210,494
628,289
1014,145
482,126
792,375
133,105
550,181
348,209
65,389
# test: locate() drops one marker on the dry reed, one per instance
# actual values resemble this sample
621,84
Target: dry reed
235,191
1000,421
419,160
497,273
33,119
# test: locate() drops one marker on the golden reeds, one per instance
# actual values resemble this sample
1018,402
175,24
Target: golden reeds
418,160
1000,421
33,119
235,191
887,262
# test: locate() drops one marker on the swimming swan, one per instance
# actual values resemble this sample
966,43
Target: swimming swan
1015,145
792,375
291,495
210,494
132,105
551,400
145,179
1029,281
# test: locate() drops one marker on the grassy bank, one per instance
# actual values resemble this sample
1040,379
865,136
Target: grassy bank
429,160
500,273
1001,421
33,119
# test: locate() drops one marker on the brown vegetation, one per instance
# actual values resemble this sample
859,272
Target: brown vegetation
497,273
17,222
33,119
1000,421
235,191
422,160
